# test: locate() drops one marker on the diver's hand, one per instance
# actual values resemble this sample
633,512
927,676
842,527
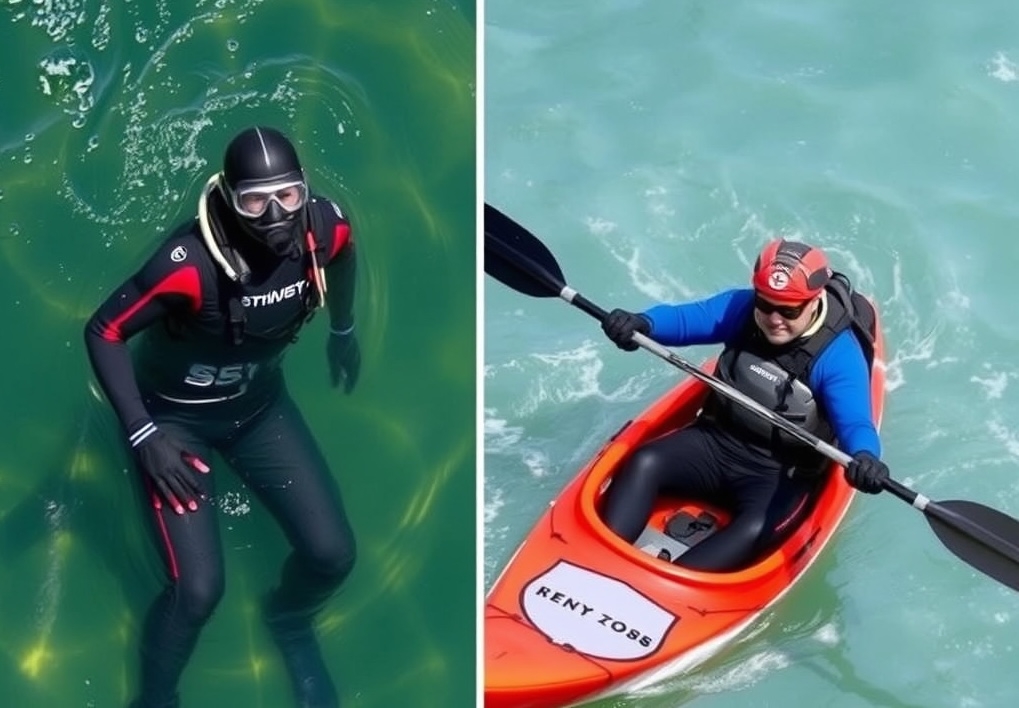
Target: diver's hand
344,356
620,325
172,470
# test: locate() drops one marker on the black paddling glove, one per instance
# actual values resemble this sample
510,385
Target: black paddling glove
867,473
620,325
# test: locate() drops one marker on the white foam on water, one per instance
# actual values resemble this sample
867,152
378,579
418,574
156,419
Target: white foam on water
894,373
145,159
954,301
828,634
742,676
1002,68
500,436
660,201
958,299
101,28
850,263
586,353
941,361
599,226
57,67
1004,436
57,17
233,504
573,375
491,370
492,507
660,287
914,344
67,77
648,274
994,385
494,535
536,462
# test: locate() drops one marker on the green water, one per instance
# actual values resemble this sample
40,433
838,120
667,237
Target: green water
113,115
655,146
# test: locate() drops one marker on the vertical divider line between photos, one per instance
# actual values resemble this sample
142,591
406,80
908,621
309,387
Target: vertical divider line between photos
479,303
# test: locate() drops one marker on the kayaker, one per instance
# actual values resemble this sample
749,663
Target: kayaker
789,344
217,305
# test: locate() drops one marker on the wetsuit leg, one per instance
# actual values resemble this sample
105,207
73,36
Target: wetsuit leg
757,484
736,545
686,462
280,461
190,544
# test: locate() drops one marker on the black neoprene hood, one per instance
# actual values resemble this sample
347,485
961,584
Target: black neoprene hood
260,154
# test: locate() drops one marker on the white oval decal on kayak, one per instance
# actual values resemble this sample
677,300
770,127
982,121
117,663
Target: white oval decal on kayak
596,615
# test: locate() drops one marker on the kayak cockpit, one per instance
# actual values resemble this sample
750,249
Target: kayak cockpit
676,525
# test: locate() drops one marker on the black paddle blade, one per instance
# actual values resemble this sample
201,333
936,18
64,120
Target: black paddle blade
985,538
517,259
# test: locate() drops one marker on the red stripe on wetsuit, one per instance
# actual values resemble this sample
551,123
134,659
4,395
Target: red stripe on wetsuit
341,235
180,282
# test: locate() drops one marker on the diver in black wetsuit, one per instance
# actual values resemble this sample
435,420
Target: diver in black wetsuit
216,306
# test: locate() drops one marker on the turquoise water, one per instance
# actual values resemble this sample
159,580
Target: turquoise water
112,116
655,146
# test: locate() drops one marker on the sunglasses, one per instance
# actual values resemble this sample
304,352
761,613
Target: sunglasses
786,312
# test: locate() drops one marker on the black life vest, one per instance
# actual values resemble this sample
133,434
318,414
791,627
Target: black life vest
778,378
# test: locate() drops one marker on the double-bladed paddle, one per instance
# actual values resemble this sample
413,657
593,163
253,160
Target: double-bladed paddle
985,538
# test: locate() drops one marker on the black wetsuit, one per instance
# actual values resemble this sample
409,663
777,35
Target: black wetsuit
214,382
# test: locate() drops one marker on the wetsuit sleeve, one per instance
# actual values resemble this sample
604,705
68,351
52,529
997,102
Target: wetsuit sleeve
710,321
169,281
842,383
341,271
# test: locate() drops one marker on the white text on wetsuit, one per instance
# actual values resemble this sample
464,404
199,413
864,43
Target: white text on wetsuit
207,375
274,296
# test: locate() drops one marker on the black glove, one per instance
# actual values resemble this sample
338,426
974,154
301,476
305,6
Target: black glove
344,356
172,471
620,326
867,473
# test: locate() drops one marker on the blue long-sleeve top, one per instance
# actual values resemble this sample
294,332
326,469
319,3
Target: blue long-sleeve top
839,378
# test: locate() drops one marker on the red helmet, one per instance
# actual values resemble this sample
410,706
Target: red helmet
790,271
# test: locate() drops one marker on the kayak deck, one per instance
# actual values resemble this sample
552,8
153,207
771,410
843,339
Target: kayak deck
579,613
578,618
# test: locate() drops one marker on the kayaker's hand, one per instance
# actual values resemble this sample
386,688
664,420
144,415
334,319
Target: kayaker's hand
867,473
620,325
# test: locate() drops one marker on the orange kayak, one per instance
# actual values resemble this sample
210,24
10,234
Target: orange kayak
580,614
